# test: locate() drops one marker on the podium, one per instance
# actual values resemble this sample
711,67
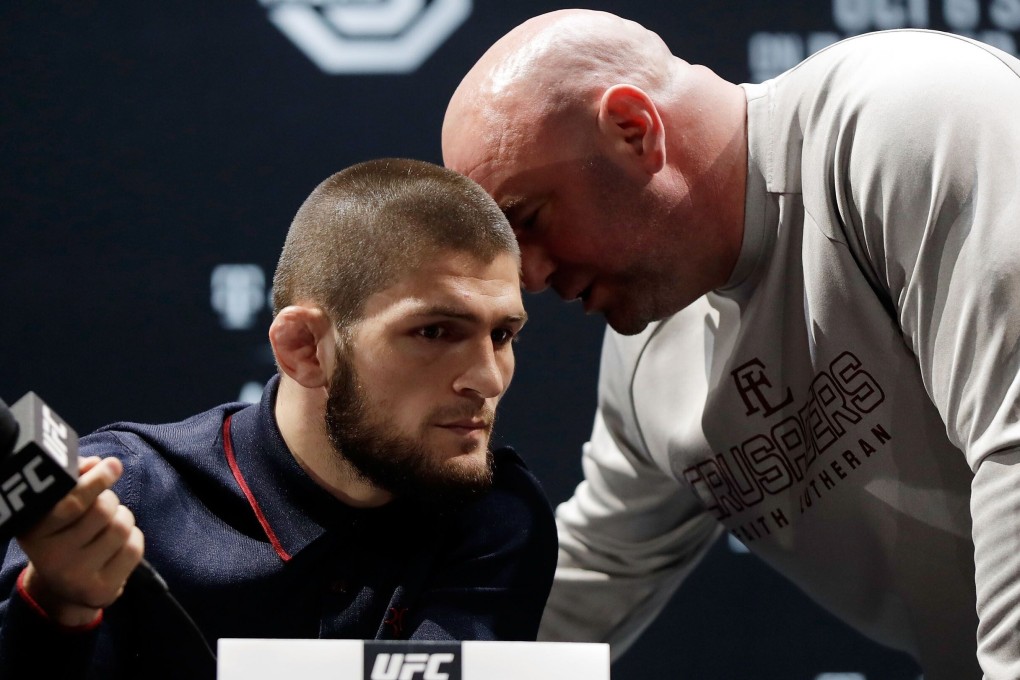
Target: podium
260,659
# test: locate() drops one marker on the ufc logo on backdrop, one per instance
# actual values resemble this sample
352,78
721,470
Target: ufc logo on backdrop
238,294
412,661
368,36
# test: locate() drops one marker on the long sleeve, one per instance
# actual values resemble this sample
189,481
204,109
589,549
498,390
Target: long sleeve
30,644
938,225
631,532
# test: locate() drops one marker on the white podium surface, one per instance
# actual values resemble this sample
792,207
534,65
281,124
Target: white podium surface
260,659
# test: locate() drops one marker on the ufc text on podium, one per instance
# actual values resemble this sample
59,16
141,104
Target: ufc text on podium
258,659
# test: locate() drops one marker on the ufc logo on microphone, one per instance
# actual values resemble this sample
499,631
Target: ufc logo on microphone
412,661
27,481
54,435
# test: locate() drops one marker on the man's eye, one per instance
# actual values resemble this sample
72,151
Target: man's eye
502,336
432,332
525,223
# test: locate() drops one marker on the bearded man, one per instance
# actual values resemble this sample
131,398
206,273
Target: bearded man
359,499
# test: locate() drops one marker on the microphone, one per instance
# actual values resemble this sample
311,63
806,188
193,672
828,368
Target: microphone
38,462
8,429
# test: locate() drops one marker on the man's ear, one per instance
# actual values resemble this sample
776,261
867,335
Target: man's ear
304,344
630,126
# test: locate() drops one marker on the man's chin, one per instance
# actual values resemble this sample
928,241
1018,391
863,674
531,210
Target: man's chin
475,460
625,324
462,477
632,314
464,460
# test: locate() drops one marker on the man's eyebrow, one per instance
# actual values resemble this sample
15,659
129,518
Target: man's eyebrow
511,206
458,313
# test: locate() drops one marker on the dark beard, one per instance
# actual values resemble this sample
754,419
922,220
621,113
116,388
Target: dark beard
397,463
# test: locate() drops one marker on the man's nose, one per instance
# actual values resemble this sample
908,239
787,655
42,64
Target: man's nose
483,375
536,268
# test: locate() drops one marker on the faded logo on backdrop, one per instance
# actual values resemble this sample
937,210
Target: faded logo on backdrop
368,36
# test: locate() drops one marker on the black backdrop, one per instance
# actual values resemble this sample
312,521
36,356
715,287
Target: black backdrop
153,153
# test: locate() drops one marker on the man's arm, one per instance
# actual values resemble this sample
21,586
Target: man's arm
934,206
630,534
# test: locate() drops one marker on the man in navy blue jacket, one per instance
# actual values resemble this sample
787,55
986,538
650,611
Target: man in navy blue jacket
358,499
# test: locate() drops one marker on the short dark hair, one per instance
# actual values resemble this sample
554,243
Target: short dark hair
365,225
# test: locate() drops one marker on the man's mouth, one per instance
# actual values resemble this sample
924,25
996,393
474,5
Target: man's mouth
472,424
581,294
585,297
466,427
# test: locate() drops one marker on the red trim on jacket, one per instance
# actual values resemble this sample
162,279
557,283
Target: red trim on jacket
228,446
37,608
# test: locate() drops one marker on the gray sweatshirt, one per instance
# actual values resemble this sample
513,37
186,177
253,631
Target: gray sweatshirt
848,405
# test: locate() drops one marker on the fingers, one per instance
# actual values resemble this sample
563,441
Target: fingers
82,552
112,539
124,561
74,596
93,521
86,464
123,547
99,477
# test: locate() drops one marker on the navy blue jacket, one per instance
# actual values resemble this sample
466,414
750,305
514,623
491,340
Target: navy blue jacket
252,547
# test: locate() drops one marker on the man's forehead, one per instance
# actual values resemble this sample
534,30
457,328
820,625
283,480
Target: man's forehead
496,140
479,311
490,160
456,285
518,164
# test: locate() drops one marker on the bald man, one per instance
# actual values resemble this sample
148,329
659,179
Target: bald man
812,289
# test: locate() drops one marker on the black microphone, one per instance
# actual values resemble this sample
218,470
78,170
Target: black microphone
9,429
38,462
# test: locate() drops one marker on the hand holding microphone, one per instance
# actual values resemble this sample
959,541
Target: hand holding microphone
81,542
83,550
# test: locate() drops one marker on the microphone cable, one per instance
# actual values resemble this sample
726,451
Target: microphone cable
146,578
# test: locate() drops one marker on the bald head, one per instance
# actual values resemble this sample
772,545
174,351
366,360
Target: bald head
551,66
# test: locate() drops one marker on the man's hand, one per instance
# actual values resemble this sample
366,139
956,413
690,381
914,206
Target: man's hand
82,552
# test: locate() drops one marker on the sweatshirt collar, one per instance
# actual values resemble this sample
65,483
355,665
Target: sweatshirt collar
292,508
